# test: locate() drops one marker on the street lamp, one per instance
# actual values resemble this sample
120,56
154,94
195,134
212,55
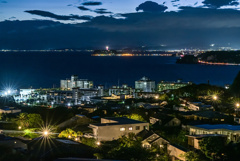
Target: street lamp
215,98
237,104
45,133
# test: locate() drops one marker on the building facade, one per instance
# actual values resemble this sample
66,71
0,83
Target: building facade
231,131
145,85
164,85
74,82
123,90
113,128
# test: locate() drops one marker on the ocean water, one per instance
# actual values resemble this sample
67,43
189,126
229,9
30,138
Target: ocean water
25,70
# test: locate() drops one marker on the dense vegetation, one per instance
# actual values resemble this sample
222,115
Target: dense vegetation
221,56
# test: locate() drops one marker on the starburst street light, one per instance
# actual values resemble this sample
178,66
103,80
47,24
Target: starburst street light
45,133
237,104
215,97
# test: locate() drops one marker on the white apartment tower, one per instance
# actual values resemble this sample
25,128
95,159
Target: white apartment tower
145,85
74,82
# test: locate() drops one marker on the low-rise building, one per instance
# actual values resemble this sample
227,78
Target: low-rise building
232,131
210,116
198,106
114,127
194,140
9,110
152,139
164,120
123,90
177,152
164,85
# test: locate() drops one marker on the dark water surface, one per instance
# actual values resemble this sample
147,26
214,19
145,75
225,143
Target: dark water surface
23,70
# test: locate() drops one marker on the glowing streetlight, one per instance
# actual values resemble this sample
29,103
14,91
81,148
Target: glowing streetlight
215,97
237,104
156,97
98,143
19,127
69,136
76,139
45,133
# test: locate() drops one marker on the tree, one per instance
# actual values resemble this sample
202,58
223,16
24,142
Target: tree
69,133
135,117
23,120
29,120
34,120
192,156
212,146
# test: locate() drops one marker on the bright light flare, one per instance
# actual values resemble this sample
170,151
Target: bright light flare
46,133
98,143
237,104
215,97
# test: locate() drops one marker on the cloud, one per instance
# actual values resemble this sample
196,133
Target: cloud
58,17
83,8
189,27
102,11
150,6
92,3
220,3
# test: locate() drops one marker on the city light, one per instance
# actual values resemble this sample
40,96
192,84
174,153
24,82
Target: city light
45,133
237,104
215,97
98,143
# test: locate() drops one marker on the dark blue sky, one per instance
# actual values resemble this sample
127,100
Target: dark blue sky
173,24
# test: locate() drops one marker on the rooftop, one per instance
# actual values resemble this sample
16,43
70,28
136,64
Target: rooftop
118,121
206,135
219,126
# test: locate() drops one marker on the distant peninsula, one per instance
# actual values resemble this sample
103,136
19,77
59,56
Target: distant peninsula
212,58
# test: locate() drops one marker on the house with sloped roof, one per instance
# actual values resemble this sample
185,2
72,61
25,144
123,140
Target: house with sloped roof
211,116
164,120
152,139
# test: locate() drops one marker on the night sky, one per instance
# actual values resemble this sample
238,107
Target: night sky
51,24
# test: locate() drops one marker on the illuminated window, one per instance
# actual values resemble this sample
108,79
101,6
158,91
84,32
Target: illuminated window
130,128
122,129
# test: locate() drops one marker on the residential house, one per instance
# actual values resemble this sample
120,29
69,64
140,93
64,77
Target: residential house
232,131
152,139
114,127
164,120
210,116
194,140
177,152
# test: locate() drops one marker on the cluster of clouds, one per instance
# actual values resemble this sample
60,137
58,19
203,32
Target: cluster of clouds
148,6
151,24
